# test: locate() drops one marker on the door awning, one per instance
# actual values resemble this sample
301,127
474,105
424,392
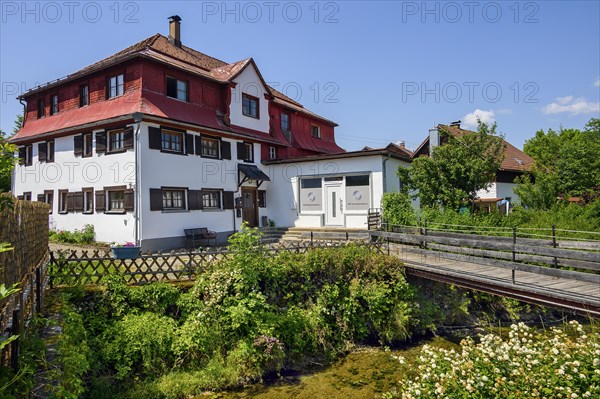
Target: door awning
251,172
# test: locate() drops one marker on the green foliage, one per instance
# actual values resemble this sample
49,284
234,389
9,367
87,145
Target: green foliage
250,314
457,169
567,164
398,209
86,235
7,162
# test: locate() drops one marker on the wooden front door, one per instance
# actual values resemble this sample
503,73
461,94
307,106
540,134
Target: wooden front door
250,206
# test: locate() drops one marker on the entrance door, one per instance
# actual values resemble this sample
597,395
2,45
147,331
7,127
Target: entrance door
249,206
334,206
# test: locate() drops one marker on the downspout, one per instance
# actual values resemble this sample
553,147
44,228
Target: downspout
24,104
137,118
383,162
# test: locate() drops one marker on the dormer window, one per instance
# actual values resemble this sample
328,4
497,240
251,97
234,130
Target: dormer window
315,131
176,89
41,108
285,122
250,105
115,86
54,104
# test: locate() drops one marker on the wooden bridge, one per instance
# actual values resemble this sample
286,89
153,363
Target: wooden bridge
549,271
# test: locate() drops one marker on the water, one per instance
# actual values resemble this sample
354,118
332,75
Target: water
364,373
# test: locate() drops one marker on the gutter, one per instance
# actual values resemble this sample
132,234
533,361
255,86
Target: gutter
24,104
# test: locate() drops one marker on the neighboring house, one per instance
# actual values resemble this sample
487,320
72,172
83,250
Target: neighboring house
158,138
334,190
501,190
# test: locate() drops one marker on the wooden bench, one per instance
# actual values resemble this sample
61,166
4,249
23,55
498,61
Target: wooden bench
198,235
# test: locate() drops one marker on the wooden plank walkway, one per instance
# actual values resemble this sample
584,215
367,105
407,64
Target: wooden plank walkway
580,296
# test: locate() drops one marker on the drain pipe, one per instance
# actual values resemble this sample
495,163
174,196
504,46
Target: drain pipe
137,118
24,104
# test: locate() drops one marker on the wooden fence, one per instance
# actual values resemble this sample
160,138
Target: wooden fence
70,267
549,257
25,229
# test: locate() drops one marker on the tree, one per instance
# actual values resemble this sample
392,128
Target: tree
457,169
18,123
7,162
567,163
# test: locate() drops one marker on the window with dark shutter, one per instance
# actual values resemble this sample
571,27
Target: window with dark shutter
198,144
189,144
194,200
41,198
42,147
77,201
225,150
154,138
241,151
128,138
78,145
228,200
129,200
22,151
156,202
70,202
50,151
262,199
100,142
100,200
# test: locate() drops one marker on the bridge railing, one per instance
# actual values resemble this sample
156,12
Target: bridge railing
547,256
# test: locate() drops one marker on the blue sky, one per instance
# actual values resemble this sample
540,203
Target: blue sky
383,70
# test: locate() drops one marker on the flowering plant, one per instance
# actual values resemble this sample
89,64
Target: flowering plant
127,245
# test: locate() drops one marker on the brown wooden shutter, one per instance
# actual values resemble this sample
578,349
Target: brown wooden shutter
195,200
241,151
41,197
20,197
189,143
228,200
128,138
78,201
225,150
99,200
22,152
78,145
129,200
262,199
100,142
198,140
70,202
156,202
42,148
154,138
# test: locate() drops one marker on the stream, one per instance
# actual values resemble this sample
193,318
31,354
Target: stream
365,373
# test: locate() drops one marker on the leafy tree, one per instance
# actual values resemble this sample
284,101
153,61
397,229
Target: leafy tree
7,162
567,164
457,169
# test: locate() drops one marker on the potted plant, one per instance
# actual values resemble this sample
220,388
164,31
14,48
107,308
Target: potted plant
125,251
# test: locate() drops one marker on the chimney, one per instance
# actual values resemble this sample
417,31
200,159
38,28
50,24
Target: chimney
175,30
456,123
402,145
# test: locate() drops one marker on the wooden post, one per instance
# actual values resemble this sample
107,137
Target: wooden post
347,236
514,255
38,290
554,244
311,238
388,245
14,351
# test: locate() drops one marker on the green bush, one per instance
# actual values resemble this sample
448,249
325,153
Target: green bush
86,235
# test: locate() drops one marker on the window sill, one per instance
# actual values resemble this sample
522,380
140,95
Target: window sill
209,156
119,151
63,212
178,99
112,98
172,152
175,211
251,116
88,212
212,210
116,212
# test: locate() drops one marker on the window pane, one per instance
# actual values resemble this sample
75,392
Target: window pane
116,200
310,183
181,90
171,87
362,180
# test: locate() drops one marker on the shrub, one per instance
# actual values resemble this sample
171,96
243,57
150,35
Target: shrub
564,363
86,235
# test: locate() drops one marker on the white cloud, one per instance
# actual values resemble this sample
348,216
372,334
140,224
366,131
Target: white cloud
470,120
571,105
597,83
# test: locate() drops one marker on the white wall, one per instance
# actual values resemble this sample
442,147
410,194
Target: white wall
159,169
283,190
74,173
250,83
